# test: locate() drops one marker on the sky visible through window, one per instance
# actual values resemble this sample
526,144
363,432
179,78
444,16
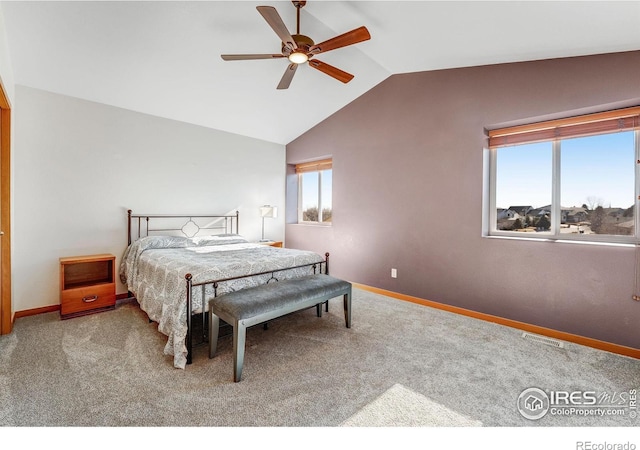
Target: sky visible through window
595,170
310,189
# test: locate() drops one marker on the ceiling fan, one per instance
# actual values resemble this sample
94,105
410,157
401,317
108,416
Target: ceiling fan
299,48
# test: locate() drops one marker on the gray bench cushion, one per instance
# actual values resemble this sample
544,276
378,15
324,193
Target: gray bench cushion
248,303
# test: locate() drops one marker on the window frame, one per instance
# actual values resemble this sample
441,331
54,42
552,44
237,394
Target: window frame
317,166
628,119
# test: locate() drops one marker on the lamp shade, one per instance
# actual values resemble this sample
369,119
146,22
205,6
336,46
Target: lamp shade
269,211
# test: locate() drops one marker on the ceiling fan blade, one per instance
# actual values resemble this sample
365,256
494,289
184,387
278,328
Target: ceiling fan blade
274,20
334,72
245,57
285,81
348,38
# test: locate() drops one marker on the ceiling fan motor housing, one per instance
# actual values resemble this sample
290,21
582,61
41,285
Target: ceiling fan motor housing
303,43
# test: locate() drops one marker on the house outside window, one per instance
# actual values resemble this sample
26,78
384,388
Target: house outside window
569,179
315,191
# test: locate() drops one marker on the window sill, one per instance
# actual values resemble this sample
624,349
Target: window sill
563,241
313,224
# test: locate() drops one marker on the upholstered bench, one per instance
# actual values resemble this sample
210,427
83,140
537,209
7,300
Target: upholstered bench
247,307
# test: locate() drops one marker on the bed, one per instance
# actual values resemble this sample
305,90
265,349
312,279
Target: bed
174,264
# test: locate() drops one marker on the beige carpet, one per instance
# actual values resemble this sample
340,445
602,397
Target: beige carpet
401,365
402,407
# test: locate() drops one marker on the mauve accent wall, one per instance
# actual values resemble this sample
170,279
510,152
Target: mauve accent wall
408,194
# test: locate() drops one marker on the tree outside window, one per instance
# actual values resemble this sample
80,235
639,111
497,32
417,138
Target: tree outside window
315,192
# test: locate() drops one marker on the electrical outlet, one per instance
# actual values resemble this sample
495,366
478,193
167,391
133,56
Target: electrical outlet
394,273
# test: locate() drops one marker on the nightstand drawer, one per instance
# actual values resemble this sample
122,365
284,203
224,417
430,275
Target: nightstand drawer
87,298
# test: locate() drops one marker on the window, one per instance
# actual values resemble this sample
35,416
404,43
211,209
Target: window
314,197
575,179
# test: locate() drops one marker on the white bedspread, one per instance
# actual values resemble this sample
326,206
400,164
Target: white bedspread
154,269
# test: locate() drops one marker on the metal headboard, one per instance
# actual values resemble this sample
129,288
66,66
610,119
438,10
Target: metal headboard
141,225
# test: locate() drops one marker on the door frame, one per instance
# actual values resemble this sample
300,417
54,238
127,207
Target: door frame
6,311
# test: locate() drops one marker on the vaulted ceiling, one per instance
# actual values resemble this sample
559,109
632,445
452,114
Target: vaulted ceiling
163,57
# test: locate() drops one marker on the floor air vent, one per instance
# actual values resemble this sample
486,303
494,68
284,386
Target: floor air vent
543,340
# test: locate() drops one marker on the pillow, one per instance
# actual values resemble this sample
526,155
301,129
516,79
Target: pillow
133,252
218,239
162,242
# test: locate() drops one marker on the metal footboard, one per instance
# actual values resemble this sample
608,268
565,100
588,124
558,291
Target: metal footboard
318,267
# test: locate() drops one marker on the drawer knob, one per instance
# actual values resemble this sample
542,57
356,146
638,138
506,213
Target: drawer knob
90,298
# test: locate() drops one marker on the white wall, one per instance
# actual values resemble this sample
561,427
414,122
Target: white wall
80,165
7,80
6,70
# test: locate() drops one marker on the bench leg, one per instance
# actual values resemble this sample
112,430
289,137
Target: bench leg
347,308
239,340
214,328
319,309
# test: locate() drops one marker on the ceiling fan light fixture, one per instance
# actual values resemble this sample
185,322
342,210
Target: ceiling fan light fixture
298,57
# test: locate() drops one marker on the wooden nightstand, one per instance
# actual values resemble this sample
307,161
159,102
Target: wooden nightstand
271,243
87,284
